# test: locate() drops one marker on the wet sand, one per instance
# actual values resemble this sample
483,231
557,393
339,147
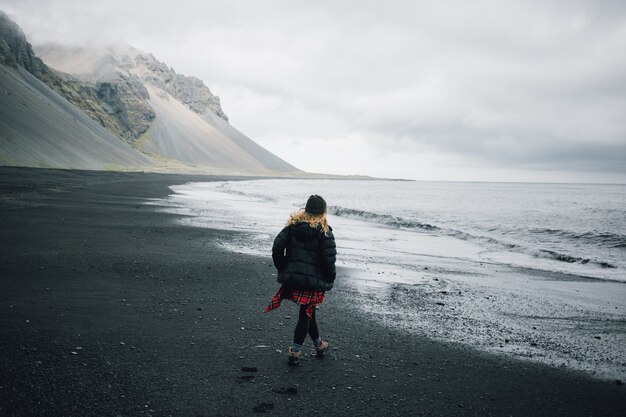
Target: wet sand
553,318
111,307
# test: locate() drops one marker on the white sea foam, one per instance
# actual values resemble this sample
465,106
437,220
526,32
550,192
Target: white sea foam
517,225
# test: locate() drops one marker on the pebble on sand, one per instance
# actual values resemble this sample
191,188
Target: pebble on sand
262,407
285,390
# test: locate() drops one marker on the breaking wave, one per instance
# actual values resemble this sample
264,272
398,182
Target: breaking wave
385,219
602,239
608,239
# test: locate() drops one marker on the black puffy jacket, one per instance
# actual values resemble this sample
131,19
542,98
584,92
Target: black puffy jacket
305,257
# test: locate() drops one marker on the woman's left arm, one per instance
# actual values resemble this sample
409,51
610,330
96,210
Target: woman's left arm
328,255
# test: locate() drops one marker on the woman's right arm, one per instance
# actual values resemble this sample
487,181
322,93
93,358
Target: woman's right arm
278,249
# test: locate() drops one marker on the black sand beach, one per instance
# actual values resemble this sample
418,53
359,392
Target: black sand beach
109,307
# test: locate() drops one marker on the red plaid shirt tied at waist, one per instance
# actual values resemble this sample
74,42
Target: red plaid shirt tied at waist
305,297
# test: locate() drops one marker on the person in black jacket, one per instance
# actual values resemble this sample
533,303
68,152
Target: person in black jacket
304,255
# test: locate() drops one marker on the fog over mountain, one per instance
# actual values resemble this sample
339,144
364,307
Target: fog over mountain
39,127
189,124
144,114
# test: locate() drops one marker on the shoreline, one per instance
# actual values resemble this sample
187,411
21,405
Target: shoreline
165,320
558,318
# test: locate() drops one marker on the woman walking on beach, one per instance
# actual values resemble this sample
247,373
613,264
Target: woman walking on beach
304,254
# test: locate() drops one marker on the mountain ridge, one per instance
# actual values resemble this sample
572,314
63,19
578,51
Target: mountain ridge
107,63
166,119
40,127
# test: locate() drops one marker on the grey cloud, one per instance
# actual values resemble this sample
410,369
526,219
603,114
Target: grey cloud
535,85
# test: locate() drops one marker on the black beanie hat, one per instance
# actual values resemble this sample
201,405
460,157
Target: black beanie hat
315,205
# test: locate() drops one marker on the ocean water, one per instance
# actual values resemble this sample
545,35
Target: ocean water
578,229
533,271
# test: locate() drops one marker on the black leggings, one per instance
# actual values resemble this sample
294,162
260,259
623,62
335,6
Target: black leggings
305,326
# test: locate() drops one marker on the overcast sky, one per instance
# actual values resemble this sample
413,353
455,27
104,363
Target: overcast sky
438,90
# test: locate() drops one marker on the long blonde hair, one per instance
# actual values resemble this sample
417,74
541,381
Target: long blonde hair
313,220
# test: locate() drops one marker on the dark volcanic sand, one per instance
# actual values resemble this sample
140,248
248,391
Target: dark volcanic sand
109,307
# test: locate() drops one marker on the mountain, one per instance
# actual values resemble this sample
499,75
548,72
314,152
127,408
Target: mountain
167,120
39,127
189,124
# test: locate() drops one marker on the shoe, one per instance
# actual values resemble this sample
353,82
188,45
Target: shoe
322,348
294,357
